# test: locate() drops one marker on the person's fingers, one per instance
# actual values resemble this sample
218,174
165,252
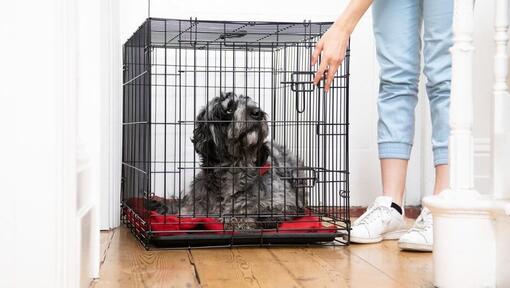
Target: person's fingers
316,52
320,72
331,75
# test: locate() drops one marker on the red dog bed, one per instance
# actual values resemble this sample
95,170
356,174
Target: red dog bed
172,225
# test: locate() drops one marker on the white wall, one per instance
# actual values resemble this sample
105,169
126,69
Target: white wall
365,173
365,178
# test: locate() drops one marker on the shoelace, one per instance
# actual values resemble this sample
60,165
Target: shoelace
368,216
423,222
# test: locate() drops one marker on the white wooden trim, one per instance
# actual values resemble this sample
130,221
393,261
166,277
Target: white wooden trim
89,126
461,99
66,239
501,109
482,146
111,112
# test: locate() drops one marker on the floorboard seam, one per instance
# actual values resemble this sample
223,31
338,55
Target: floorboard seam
195,269
322,263
285,267
110,240
377,268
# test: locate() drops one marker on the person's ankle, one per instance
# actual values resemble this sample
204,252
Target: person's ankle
438,191
397,207
395,202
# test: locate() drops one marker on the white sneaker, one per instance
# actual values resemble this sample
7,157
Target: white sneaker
379,222
419,238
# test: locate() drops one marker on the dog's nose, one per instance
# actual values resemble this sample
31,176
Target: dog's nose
256,113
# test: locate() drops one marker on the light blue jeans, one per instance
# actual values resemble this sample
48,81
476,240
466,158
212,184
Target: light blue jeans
397,29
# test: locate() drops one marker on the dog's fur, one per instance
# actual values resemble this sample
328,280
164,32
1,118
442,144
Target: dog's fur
230,137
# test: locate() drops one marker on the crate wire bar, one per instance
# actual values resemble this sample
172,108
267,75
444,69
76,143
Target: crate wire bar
174,68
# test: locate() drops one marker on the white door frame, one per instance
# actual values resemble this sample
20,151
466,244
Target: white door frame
111,114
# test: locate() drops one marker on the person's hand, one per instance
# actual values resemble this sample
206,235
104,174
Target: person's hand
332,46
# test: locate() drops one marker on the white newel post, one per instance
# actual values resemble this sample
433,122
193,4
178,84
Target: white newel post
464,245
461,99
501,144
501,111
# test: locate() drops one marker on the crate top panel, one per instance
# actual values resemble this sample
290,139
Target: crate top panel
190,33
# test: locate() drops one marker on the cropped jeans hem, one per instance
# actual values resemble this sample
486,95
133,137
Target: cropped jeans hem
395,150
440,156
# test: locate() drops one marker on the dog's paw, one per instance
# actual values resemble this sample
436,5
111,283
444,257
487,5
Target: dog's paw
240,224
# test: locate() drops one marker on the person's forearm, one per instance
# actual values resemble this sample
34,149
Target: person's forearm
351,15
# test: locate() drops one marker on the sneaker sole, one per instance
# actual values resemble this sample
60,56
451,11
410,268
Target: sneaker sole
415,247
393,235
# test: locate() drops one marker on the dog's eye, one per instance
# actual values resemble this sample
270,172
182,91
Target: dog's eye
229,110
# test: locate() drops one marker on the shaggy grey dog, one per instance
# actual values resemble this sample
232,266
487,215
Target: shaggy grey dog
230,137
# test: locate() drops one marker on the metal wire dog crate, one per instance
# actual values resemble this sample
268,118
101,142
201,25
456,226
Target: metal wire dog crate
204,165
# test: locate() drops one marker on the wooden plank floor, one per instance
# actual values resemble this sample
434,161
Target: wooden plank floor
127,264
